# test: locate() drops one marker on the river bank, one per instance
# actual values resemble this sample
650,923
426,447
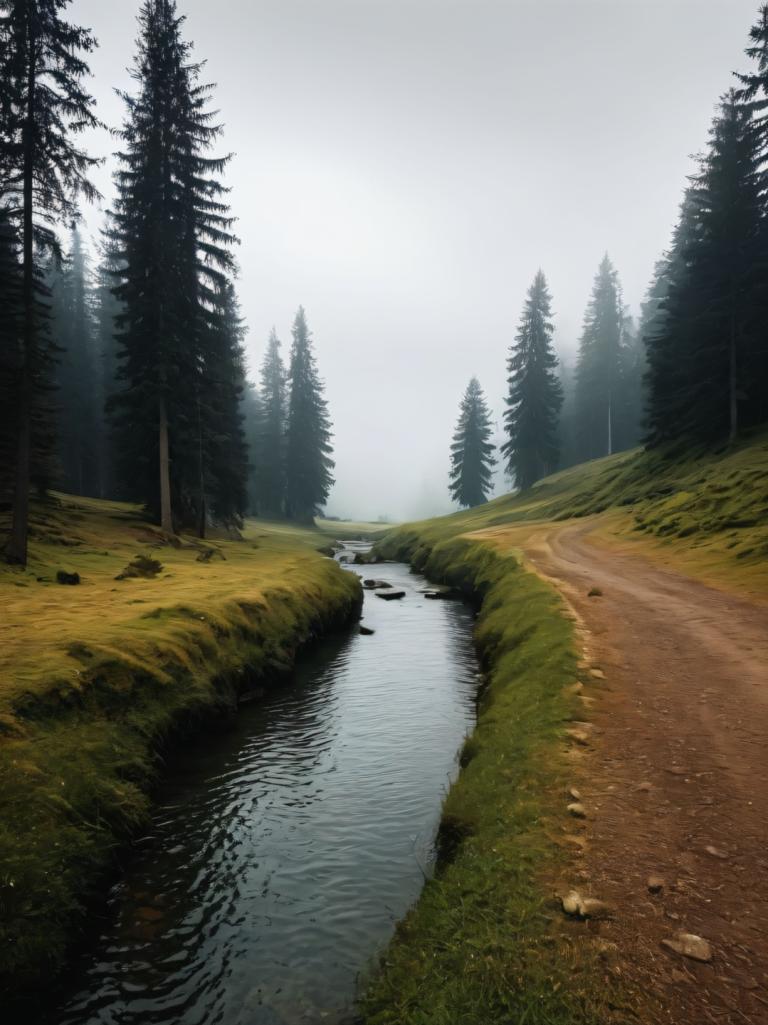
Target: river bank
486,941
281,850
95,676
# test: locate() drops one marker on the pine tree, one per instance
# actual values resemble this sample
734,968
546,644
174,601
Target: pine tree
704,358
535,396
10,344
308,464
223,464
270,478
76,374
106,310
754,93
174,231
44,106
472,461
599,367
253,426
631,395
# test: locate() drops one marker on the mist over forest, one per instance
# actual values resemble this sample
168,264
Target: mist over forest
402,173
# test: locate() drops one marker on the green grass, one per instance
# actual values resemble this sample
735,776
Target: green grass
486,943
700,512
94,678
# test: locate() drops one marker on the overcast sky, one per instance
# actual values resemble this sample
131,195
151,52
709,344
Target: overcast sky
403,167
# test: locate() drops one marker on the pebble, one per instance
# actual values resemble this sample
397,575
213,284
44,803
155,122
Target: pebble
597,674
716,853
645,788
585,907
574,794
655,884
571,903
577,809
689,945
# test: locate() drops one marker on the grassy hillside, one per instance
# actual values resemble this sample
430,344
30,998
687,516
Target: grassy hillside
93,676
705,514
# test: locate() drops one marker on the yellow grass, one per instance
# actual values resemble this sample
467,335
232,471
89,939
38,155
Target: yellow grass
94,676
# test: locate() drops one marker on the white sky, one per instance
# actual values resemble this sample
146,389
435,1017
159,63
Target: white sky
403,167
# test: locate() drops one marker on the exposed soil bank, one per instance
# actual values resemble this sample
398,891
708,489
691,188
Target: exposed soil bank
485,944
80,745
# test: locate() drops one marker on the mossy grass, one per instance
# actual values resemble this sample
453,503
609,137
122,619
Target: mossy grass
95,678
486,943
698,511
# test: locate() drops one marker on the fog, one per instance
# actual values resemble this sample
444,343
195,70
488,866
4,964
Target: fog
403,167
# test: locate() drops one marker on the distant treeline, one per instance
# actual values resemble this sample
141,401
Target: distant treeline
128,381
695,369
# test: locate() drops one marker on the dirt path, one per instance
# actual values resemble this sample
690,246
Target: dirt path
675,781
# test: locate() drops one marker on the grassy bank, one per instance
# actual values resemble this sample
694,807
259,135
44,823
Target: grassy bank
486,942
701,513
95,676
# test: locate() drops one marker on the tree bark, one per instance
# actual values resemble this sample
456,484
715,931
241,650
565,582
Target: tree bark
17,546
166,515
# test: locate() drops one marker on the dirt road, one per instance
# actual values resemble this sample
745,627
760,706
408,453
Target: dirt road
675,780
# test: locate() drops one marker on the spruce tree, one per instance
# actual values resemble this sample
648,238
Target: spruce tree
174,232
599,367
79,418
754,93
704,356
253,426
10,339
44,106
270,478
472,461
106,310
223,467
308,449
535,395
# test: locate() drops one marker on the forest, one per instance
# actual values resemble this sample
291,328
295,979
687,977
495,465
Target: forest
264,765
125,377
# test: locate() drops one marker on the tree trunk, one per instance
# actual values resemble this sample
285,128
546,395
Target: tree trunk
166,516
732,385
16,547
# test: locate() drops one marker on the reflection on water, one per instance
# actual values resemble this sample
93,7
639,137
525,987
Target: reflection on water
282,853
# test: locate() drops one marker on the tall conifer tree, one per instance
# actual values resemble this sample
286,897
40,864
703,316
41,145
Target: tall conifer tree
535,395
106,310
271,467
472,461
76,377
45,105
173,228
308,465
701,357
599,367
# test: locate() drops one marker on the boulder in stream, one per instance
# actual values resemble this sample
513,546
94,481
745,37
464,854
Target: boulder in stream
375,585
390,595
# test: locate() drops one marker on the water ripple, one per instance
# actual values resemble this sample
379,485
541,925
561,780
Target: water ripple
281,854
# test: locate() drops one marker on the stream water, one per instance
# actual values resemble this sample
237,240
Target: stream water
281,853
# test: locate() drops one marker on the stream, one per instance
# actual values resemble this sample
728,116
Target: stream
282,852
